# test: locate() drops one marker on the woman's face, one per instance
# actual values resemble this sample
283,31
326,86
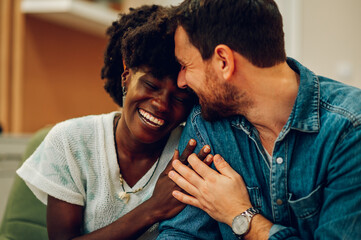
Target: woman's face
153,107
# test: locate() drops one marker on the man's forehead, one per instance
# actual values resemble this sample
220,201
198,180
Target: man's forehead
181,37
181,40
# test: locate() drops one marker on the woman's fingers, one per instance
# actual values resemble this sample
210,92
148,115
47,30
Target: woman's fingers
175,154
203,153
188,151
209,159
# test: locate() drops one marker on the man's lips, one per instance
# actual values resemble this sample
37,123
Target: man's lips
151,119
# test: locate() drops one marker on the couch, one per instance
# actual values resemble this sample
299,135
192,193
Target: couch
25,215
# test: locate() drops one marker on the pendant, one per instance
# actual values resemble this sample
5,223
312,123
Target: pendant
124,196
121,179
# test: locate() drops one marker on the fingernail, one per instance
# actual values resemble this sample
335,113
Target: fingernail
209,158
218,158
207,149
192,142
171,174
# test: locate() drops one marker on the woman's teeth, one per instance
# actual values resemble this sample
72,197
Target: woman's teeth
151,119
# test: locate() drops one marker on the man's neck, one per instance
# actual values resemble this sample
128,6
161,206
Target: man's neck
273,92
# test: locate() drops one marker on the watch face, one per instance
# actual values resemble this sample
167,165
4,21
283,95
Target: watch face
240,225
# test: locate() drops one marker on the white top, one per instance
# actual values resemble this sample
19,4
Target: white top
77,163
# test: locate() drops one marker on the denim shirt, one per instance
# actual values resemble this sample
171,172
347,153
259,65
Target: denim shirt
312,187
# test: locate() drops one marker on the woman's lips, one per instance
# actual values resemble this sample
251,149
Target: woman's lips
151,119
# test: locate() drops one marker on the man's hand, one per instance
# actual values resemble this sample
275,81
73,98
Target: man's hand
162,200
222,195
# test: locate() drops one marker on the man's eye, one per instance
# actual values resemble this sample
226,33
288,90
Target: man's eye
183,67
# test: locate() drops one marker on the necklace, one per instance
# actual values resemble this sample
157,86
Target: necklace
125,195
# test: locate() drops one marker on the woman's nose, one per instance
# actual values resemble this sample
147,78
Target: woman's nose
161,102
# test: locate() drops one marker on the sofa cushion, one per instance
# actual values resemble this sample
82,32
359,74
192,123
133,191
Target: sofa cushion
25,215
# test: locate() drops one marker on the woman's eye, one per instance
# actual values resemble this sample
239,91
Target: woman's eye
179,99
151,86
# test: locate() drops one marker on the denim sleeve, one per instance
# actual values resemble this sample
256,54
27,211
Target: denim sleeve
282,232
340,213
340,216
192,222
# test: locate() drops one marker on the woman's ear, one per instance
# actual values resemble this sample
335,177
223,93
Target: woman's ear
125,76
224,58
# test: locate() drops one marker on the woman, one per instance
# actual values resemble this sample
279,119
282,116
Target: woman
97,173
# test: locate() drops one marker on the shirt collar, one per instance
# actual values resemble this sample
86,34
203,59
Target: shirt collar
305,113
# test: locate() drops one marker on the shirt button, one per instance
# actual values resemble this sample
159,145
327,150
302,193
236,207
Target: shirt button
279,160
279,202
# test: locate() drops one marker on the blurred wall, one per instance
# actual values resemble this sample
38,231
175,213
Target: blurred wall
61,74
324,36
331,39
126,4
61,66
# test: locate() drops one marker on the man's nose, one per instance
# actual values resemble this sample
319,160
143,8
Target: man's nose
181,81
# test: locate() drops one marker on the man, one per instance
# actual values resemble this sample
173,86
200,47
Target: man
292,139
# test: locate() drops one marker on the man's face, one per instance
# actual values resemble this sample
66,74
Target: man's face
192,73
218,99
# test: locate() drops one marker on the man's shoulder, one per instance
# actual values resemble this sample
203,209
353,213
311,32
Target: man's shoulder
196,120
209,132
340,100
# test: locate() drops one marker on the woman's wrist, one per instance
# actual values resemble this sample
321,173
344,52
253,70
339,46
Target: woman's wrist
154,212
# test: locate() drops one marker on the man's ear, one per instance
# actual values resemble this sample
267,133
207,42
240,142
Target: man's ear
224,60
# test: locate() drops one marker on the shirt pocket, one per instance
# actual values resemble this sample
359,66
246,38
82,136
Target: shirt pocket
307,209
255,197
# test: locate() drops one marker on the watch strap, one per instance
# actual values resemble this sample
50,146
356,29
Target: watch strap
250,212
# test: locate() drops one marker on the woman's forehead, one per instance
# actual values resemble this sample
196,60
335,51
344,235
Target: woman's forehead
147,71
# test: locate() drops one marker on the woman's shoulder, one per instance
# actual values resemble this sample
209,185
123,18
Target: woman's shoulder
85,122
80,128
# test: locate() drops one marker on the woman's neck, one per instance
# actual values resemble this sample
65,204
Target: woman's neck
134,158
131,149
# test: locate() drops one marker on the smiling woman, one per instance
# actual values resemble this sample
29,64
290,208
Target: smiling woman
105,176
153,107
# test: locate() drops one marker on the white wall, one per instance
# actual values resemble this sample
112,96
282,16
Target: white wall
324,35
292,22
331,39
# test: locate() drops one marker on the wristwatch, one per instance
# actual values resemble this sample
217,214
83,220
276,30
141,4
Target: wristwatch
242,222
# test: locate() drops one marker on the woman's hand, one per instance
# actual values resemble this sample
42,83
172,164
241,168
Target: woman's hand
65,220
165,205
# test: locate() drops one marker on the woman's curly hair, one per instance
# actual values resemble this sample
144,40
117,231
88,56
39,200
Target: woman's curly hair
140,38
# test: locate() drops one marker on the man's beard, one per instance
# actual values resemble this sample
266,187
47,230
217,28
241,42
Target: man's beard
223,99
